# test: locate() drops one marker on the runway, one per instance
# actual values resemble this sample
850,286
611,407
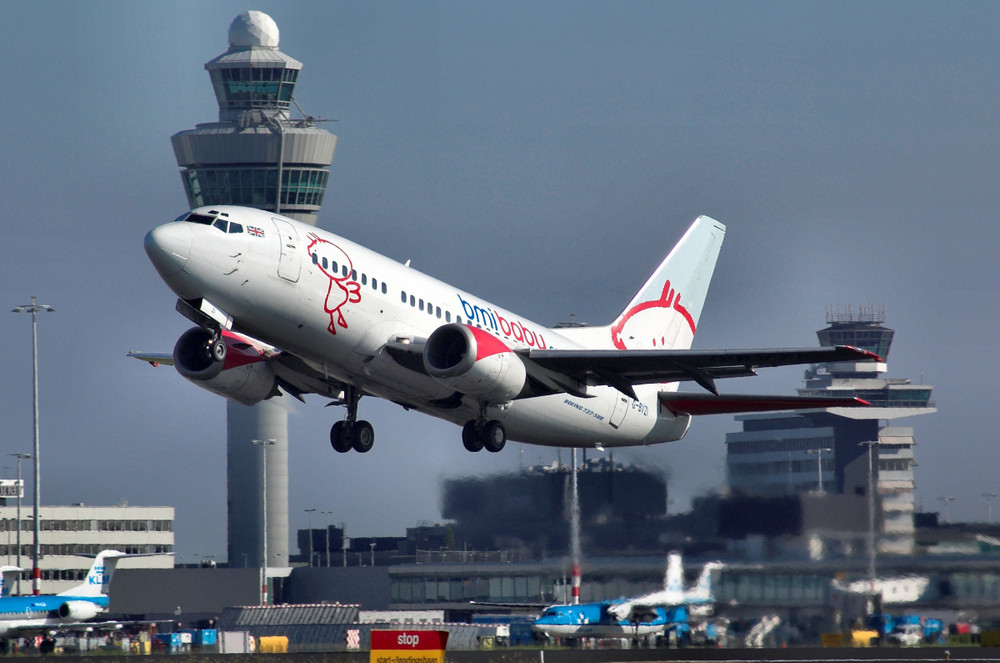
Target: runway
791,655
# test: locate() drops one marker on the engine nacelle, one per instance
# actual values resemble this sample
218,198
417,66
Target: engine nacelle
243,375
474,362
78,611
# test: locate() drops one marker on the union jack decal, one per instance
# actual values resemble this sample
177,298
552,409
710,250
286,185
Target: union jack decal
255,231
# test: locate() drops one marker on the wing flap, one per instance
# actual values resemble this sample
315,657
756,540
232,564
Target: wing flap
698,404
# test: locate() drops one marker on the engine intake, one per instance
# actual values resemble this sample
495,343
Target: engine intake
78,610
474,362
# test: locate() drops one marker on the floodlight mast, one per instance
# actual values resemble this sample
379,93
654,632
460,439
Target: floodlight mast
33,308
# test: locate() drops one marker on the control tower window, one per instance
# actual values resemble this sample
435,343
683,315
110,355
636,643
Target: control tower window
256,187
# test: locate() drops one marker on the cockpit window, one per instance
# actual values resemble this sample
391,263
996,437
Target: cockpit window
235,227
194,217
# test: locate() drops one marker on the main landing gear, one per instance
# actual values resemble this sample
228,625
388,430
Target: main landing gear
352,433
481,433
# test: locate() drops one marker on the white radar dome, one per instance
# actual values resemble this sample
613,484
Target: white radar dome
253,28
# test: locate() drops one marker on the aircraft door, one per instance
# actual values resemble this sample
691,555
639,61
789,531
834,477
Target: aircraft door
290,260
618,412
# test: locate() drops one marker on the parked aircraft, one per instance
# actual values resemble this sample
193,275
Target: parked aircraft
283,307
25,614
643,615
595,620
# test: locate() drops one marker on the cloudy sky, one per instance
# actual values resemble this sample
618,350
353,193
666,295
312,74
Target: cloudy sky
544,155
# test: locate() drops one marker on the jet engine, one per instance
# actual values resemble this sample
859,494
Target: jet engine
474,362
228,366
78,610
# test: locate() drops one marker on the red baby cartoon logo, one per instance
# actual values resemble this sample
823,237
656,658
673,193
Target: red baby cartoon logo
336,266
650,320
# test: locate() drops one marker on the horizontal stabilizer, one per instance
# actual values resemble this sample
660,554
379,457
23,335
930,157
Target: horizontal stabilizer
695,404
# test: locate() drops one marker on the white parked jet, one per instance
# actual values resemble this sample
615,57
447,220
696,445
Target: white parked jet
283,307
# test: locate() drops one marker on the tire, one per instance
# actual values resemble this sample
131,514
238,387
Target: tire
471,439
494,436
362,436
217,350
340,438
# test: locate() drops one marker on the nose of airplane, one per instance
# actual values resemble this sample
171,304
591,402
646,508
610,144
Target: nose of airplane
168,247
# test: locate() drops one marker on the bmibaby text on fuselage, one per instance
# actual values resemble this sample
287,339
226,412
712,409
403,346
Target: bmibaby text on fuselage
284,307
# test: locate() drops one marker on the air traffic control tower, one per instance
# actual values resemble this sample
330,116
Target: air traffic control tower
258,156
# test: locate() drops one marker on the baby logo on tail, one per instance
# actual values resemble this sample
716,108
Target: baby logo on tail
653,324
337,267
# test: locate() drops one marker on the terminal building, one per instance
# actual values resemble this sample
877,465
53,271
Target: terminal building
67,533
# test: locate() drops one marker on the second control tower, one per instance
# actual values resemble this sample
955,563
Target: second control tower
256,155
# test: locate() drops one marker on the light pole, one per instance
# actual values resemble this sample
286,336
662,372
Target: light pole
33,308
946,499
327,514
310,512
263,444
871,444
372,545
989,506
819,467
20,492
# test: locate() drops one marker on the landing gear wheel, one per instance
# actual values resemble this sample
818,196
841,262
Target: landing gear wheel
471,438
218,350
362,436
215,350
494,436
340,437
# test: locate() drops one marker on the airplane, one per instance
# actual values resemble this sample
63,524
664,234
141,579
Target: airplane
72,608
643,615
282,307
595,620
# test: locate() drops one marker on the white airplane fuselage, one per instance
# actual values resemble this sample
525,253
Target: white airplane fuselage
336,304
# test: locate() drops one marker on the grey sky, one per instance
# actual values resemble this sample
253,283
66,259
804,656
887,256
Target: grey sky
542,155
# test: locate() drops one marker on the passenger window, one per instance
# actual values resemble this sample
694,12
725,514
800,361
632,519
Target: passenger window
430,308
333,267
447,316
374,283
421,305
412,300
325,264
354,275
315,259
364,279
385,290
403,294
437,312
344,270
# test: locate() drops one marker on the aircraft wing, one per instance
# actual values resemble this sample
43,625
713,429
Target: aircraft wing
623,368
